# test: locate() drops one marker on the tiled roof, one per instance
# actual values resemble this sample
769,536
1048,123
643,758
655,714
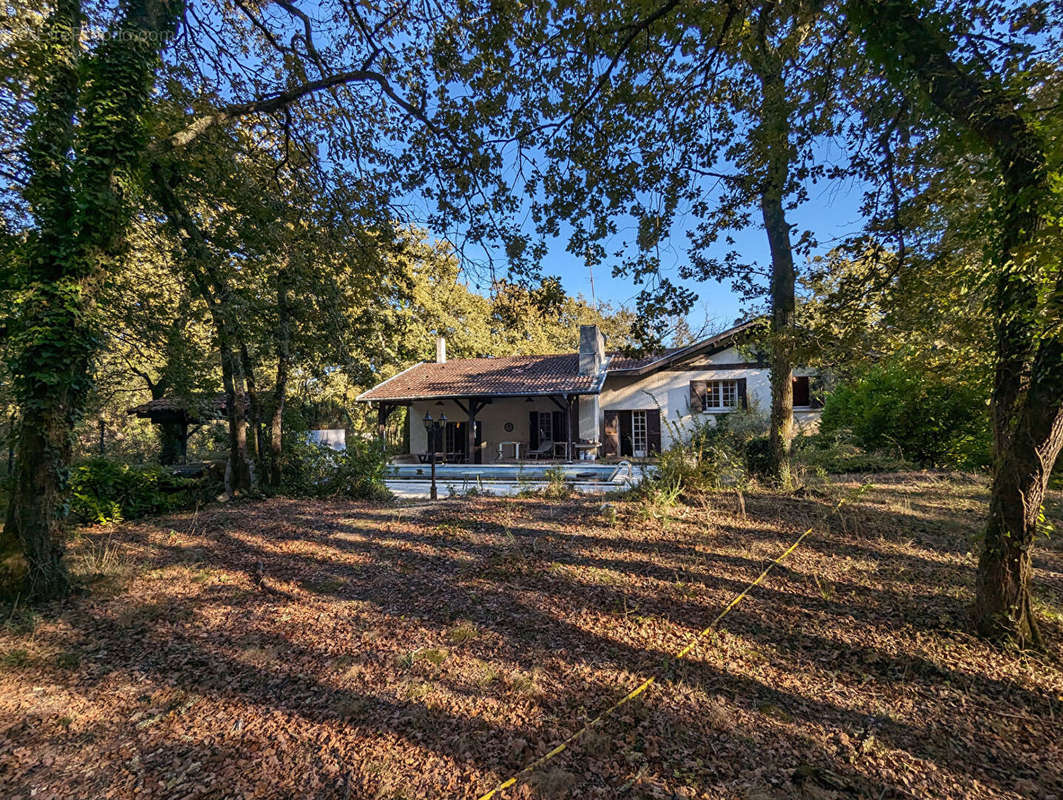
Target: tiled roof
713,344
208,407
519,376
620,362
496,377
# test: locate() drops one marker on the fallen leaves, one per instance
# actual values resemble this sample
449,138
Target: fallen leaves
347,650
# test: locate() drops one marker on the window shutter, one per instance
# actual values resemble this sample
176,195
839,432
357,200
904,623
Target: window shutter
743,400
560,429
653,430
697,397
611,440
533,431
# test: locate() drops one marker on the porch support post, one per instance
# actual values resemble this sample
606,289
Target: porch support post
568,427
470,433
383,411
475,407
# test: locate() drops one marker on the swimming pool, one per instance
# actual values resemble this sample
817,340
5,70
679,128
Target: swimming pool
576,472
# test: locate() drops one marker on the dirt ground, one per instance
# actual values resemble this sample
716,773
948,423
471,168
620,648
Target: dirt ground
294,649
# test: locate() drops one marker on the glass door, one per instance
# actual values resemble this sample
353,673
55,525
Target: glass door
638,434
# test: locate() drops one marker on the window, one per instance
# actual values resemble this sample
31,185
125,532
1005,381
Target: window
719,394
802,394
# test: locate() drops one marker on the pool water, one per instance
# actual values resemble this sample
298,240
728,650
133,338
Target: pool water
576,472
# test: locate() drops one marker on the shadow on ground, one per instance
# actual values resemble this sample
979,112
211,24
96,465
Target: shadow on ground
307,649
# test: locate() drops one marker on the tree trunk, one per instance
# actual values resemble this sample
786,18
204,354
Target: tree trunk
38,508
254,410
239,472
215,293
1027,400
280,389
276,427
86,132
1002,606
775,153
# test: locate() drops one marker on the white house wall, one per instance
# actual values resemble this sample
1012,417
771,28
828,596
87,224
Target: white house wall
670,392
667,390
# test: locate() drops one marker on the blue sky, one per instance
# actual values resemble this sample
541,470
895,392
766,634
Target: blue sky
831,214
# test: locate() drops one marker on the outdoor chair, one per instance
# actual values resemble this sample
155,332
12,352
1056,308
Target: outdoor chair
544,450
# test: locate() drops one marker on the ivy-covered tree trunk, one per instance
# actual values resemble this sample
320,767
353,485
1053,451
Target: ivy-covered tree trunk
83,147
1003,598
38,508
50,334
772,139
1027,399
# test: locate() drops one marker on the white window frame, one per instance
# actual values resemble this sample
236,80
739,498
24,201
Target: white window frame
714,398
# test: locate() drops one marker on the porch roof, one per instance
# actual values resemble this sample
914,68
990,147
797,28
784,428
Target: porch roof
173,408
506,376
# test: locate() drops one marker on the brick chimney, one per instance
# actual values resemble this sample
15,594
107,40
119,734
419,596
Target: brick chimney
441,350
591,350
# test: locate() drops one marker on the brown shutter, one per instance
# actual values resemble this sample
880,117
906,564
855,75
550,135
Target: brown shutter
533,431
560,429
743,399
611,437
801,396
653,430
697,396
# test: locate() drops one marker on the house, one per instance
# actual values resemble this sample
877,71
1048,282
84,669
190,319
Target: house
584,404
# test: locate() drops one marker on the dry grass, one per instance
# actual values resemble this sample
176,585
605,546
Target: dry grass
340,650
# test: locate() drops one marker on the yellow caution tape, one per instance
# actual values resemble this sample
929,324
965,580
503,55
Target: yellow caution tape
646,684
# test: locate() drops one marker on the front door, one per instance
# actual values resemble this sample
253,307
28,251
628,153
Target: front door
638,434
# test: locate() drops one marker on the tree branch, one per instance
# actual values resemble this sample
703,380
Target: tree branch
267,105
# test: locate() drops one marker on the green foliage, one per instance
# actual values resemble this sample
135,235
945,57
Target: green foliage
720,451
833,454
106,491
921,416
556,487
312,470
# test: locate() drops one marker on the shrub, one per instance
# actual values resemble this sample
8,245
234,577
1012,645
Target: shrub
716,452
835,454
312,470
930,420
557,487
107,491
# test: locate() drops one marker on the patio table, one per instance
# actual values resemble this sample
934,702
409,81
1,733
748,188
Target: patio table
516,450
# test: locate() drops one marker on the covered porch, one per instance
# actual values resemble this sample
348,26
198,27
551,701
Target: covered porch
507,408
486,429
